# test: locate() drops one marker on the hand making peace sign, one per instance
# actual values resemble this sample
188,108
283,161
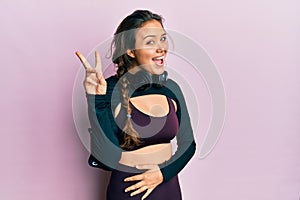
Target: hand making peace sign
94,82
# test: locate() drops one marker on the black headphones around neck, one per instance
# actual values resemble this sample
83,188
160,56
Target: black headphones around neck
143,80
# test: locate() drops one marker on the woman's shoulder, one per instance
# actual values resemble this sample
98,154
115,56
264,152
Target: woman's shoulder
111,82
171,82
113,79
173,86
113,93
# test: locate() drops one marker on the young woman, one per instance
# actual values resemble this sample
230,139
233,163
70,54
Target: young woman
136,113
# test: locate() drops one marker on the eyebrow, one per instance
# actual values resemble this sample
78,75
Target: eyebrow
153,35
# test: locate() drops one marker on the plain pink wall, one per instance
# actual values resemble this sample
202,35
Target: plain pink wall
255,45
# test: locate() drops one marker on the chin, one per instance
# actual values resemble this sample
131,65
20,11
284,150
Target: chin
158,71
154,69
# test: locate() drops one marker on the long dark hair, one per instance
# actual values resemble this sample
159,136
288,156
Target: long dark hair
124,39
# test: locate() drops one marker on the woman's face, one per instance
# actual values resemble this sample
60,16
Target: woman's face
151,47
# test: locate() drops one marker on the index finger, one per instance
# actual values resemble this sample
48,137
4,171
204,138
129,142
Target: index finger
85,63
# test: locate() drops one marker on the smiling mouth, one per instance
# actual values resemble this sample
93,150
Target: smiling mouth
159,60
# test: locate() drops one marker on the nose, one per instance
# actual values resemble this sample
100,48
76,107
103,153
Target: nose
161,48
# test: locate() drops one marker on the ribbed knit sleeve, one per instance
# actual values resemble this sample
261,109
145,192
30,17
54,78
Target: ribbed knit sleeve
186,145
105,148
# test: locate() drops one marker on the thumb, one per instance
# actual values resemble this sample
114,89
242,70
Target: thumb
147,193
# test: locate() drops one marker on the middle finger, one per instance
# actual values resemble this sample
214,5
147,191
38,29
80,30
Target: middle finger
98,62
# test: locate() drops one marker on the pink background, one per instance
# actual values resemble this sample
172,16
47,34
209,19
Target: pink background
255,45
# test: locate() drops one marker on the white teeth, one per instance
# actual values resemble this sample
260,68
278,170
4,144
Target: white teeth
158,58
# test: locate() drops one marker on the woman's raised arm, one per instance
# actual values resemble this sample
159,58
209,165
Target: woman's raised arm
94,82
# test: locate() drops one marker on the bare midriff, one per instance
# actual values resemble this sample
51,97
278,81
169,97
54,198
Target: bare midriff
149,155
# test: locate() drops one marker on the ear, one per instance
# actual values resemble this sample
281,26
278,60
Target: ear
130,52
